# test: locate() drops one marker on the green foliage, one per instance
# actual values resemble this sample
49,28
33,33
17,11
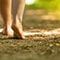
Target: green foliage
45,4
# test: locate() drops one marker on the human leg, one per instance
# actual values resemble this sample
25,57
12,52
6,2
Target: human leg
18,9
5,8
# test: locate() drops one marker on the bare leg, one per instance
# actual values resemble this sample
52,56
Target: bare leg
18,9
5,6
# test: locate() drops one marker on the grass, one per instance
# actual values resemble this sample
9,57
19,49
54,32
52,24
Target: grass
44,48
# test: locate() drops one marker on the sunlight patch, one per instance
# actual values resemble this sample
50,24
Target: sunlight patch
51,32
29,2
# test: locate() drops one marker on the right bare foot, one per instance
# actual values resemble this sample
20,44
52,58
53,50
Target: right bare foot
18,31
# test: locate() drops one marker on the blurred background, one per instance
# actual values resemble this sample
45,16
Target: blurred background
42,14
50,5
45,9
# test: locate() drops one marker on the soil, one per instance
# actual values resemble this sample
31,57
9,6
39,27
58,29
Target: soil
37,47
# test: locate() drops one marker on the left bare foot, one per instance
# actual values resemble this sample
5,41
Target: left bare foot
8,32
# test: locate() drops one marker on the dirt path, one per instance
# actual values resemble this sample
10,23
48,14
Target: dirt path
42,43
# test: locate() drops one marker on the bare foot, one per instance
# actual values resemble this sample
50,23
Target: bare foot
8,32
18,31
